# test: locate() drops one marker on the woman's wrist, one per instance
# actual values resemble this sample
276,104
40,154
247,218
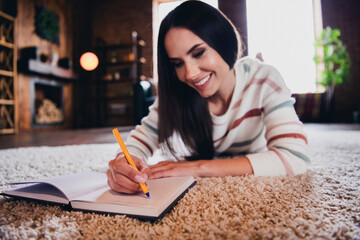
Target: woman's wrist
224,167
205,168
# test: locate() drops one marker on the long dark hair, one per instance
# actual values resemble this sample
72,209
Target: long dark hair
181,109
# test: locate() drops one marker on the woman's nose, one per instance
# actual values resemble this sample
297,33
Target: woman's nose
192,71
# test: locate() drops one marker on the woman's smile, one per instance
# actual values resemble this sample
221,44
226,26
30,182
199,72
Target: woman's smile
202,82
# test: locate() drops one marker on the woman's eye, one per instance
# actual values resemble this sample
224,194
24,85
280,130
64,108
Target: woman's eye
177,64
199,53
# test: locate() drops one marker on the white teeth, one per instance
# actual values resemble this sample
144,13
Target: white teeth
202,82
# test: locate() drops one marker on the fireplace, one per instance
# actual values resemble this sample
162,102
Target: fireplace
47,102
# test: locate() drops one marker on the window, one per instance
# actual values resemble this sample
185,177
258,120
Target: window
283,31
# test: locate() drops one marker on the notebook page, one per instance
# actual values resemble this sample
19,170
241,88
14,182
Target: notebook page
75,185
39,191
162,191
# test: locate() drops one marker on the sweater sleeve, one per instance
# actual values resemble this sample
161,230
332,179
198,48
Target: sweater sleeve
287,152
143,140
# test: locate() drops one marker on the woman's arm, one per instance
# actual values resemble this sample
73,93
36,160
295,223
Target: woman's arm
287,151
143,140
202,168
141,143
286,141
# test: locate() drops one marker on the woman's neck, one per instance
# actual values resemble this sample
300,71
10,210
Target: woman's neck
220,101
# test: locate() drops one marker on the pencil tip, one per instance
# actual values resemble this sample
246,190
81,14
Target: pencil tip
147,194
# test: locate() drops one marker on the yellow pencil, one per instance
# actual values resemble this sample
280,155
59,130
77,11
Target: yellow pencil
128,158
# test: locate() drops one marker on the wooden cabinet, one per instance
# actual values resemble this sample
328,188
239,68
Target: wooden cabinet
118,73
8,116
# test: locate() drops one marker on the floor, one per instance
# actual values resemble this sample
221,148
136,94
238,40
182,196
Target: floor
105,135
62,137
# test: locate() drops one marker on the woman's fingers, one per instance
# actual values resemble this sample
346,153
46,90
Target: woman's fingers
122,184
124,178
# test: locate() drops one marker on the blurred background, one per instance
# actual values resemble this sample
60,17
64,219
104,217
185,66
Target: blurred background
44,86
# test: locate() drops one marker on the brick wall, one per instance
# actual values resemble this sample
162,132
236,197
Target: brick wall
114,22
345,16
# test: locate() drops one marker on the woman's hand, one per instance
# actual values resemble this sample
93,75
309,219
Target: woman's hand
124,178
174,169
202,168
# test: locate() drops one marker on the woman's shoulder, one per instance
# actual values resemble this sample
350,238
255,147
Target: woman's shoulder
248,63
255,68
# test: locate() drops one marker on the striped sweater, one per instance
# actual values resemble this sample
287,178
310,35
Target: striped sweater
260,123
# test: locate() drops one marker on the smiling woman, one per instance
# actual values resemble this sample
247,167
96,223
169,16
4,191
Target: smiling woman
217,113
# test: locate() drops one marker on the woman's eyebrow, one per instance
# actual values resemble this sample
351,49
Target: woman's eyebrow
193,48
188,52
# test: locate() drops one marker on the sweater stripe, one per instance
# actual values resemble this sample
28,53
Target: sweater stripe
154,130
285,123
139,149
297,154
261,81
252,113
145,144
237,104
258,81
248,142
287,166
282,105
287,135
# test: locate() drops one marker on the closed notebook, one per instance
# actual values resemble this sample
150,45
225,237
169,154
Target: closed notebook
89,191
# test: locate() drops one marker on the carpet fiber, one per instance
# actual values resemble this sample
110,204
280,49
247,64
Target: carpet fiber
321,204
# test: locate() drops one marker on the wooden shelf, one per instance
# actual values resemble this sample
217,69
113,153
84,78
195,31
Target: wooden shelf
6,73
124,81
38,67
122,114
7,16
139,43
112,47
123,63
7,102
124,98
8,111
7,131
6,44
128,65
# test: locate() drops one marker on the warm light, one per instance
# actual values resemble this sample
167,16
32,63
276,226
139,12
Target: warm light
89,61
285,41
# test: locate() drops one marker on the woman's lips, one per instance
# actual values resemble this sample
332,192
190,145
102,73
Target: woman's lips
203,81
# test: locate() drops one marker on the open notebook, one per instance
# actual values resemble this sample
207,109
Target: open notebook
89,191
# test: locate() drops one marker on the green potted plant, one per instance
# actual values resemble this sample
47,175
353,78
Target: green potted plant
333,60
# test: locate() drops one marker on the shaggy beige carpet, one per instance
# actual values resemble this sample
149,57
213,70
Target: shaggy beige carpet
321,204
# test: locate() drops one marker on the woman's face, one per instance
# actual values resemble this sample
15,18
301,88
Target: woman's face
197,64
